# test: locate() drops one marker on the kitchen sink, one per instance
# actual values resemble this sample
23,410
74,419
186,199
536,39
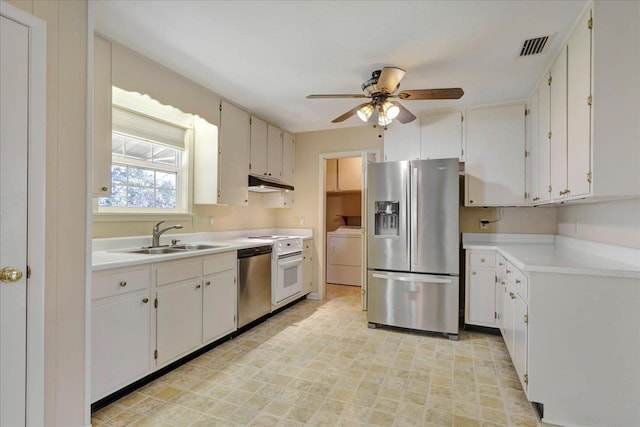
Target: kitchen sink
155,251
172,249
196,247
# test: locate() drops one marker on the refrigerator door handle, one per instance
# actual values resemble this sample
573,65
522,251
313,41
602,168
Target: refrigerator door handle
413,201
411,278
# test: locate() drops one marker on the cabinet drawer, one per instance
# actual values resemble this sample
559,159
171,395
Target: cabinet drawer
482,259
219,262
501,265
110,283
521,283
177,271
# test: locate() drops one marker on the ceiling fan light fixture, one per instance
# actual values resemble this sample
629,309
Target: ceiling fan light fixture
365,112
383,120
391,111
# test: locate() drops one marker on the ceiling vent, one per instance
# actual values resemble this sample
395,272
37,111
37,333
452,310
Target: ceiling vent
533,46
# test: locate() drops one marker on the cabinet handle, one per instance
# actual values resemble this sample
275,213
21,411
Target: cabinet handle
145,300
198,286
470,201
518,282
481,259
500,263
502,282
512,295
473,273
105,188
508,271
123,284
207,283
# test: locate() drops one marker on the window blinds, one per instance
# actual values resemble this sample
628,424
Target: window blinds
144,127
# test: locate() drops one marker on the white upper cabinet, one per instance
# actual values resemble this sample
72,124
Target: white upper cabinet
402,141
101,186
274,152
531,158
558,126
288,158
233,158
266,150
441,136
494,165
258,164
579,109
544,174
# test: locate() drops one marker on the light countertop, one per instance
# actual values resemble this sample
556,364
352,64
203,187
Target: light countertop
108,253
557,254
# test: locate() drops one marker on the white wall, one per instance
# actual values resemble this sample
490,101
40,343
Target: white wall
616,223
66,198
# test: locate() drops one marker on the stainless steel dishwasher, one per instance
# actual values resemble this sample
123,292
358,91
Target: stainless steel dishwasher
254,288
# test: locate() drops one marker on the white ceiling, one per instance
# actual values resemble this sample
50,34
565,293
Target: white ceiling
266,56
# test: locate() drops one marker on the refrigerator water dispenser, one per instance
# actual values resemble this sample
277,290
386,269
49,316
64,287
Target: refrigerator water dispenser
387,218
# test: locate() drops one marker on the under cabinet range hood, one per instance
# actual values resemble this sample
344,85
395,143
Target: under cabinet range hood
260,185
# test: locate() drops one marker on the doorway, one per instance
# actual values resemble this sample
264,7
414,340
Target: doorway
342,223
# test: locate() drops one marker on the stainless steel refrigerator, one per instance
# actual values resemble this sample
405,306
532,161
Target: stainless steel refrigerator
413,245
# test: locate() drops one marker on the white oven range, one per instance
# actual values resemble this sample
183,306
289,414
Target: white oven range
286,270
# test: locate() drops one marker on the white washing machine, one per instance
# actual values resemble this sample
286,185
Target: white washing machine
344,256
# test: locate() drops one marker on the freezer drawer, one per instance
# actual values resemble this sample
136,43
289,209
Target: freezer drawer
415,301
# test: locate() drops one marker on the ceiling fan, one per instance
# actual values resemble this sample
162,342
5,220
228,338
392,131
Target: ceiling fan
383,85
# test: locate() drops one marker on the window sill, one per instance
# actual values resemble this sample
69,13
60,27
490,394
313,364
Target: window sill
140,216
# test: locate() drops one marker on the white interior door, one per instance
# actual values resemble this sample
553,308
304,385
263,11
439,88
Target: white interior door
14,90
367,158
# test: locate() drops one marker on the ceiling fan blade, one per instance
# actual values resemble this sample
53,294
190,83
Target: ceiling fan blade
405,116
417,94
348,114
337,95
389,79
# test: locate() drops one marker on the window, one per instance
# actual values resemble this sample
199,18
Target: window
149,165
143,174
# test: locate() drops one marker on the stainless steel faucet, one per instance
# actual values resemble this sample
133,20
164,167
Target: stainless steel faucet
157,233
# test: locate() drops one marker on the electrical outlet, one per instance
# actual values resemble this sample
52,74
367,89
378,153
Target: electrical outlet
301,220
210,221
484,224
296,220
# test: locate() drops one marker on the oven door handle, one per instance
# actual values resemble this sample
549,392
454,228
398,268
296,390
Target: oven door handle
285,264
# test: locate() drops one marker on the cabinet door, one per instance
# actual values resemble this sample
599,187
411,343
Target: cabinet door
307,267
507,323
101,117
331,175
120,342
558,122
345,250
520,328
482,283
544,155
288,158
495,156
179,319
441,136
258,164
531,159
233,159
501,290
402,142
350,174
219,305
579,109
274,152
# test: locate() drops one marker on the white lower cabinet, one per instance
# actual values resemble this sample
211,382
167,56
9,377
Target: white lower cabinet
179,319
120,319
480,289
196,303
219,305
307,266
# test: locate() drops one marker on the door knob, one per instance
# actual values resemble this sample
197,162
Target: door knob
10,274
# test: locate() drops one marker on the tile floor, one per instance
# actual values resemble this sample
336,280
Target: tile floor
318,364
